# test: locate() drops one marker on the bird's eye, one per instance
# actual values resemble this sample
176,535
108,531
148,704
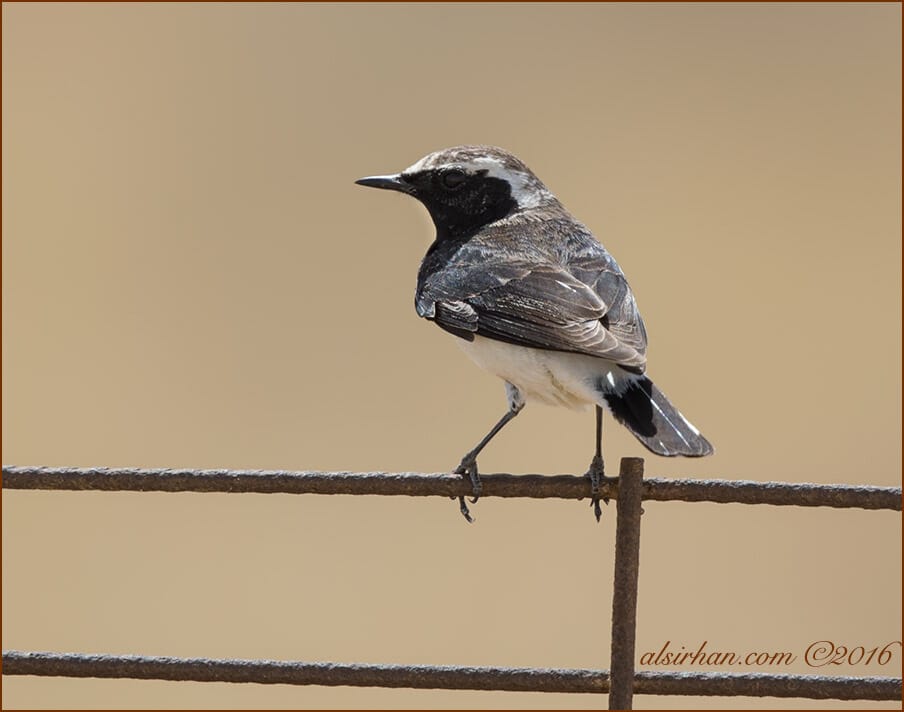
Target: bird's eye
453,178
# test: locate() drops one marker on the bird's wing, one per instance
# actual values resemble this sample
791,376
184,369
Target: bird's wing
541,306
598,270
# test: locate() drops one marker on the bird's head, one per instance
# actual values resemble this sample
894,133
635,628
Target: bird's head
467,187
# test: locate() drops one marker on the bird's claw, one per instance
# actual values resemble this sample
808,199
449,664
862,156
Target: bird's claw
596,473
468,468
465,512
597,510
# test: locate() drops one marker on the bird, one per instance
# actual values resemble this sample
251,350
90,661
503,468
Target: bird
534,298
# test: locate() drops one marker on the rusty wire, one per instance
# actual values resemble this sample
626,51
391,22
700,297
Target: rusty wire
273,672
443,484
624,597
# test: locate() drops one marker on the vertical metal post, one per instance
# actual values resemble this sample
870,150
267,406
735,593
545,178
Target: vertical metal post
624,598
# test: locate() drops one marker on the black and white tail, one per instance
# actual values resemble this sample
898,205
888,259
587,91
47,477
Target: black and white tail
644,410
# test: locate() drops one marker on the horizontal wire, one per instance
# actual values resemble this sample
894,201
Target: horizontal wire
272,672
443,485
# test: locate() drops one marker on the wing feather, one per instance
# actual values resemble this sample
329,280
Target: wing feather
543,306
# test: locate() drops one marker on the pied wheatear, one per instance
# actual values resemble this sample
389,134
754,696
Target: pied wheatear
534,298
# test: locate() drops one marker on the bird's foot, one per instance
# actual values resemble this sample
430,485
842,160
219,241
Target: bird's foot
468,469
596,473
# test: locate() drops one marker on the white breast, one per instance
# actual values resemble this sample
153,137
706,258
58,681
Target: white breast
552,377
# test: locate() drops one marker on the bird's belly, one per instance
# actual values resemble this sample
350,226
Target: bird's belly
553,377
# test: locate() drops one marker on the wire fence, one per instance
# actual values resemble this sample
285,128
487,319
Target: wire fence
621,681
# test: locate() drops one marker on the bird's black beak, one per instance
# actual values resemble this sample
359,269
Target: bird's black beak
393,182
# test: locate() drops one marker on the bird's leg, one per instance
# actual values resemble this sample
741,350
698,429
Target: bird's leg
468,465
597,469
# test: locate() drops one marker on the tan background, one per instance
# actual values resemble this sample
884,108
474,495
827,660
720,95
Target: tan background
191,279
